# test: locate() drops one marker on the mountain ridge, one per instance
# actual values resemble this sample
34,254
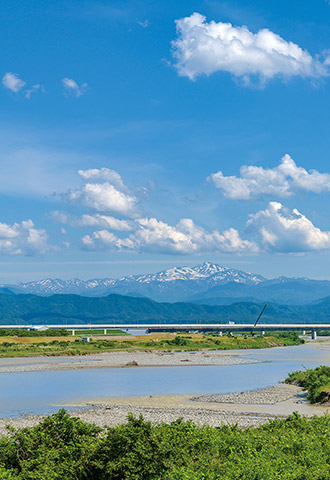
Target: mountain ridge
195,284
212,273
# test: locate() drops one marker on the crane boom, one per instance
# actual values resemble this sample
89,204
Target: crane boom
260,314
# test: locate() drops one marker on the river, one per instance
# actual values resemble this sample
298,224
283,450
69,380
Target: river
44,391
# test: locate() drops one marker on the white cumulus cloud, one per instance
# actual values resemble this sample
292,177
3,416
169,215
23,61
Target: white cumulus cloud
205,48
12,82
104,196
281,181
312,181
71,87
287,231
22,239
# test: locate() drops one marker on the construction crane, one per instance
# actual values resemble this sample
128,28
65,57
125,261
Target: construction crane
260,315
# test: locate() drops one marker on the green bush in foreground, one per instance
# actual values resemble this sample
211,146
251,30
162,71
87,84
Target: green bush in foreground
315,380
62,447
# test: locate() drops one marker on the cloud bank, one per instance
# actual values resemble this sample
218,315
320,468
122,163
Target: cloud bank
155,236
203,48
108,193
272,230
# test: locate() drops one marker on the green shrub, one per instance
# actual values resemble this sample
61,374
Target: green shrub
62,447
316,381
178,341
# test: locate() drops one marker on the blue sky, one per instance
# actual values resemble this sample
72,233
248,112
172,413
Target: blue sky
139,135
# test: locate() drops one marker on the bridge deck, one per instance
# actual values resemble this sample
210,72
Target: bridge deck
190,326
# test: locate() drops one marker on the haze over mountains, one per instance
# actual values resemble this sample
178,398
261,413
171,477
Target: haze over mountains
206,283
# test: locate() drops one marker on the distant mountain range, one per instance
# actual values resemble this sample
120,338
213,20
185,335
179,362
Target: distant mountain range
64,309
207,283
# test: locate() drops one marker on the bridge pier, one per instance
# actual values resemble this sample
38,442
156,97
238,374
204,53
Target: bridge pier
220,334
73,332
105,331
303,332
314,335
262,332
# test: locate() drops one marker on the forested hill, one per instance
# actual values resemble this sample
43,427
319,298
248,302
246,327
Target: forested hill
62,309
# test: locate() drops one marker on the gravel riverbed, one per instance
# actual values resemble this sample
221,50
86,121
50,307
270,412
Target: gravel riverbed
123,359
263,396
117,414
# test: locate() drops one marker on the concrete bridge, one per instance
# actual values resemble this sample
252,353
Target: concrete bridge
191,327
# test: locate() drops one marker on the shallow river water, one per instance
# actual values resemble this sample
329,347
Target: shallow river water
39,392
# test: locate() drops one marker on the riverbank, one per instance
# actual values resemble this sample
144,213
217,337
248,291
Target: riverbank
246,409
16,347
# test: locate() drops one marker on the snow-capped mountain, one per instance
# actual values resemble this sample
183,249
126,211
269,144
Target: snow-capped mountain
206,271
205,283
176,283
52,286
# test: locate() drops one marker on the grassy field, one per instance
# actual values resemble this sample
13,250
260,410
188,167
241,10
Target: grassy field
55,346
27,340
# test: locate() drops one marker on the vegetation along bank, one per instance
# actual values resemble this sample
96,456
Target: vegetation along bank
58,346
316,381
64,447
